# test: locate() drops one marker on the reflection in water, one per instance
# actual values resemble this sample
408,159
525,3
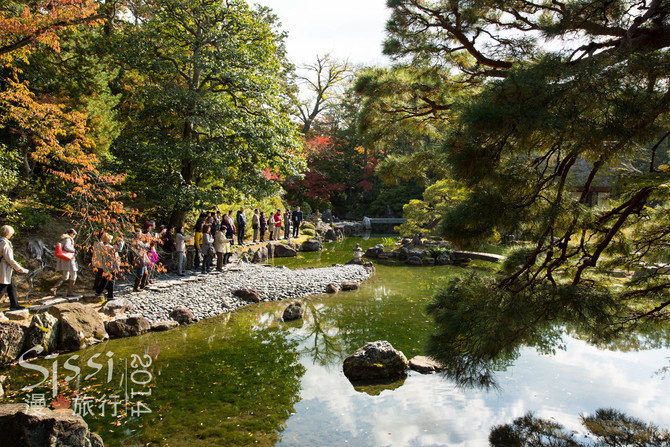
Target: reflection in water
375,388
248,379
211,384
608,427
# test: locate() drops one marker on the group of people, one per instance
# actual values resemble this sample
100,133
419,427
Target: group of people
150,249
273,222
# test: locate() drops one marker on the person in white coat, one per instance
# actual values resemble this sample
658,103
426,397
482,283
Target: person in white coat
69,268
7,267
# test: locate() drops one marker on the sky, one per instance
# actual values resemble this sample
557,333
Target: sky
350,30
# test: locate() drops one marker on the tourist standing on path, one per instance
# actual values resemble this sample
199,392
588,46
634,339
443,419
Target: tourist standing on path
296,219
207,249
222,248
68,267
197,239
97,259
110,266
277,228
241,226
263,225
255,224
169,247
101,260
7,267
180,249
287,224
230,227
140,250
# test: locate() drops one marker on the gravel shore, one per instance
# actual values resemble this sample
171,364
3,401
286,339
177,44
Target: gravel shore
210,294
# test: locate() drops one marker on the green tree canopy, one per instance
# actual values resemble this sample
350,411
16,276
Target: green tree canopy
560,94
207,120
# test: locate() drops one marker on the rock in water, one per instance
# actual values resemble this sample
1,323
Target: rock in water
293,311
332,288
80,326
414,260
311,245
43,331
284,251
161,326
375,360
12,337
22,426
425,364
349,285
128,327
261,255
247,295
117,307
182,315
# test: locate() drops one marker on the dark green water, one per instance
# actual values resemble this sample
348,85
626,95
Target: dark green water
248,379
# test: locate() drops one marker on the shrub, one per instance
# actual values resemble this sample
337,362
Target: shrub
307,226
308,232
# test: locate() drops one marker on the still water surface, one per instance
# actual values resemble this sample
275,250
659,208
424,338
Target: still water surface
248,379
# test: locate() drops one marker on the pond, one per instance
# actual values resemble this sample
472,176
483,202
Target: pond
248,379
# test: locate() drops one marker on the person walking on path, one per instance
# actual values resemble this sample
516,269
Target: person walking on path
110,266
277,221
140,250
255,224
101,260
296,219
222,249
287,224
69,268
7,267
180,249
241,226
263,225
207,249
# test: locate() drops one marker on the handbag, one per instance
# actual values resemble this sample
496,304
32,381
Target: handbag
64,255
211,252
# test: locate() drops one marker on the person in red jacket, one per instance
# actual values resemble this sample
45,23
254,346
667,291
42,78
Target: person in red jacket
277,221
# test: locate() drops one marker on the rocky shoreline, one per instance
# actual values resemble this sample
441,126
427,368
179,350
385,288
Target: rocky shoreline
67,325
212,294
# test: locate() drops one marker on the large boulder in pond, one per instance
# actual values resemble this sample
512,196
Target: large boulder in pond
293,311
376,360
311,245
128,326
80,326
23,426
43,331
284,251
12,338
182,315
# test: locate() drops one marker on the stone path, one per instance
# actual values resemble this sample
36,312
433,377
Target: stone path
210,295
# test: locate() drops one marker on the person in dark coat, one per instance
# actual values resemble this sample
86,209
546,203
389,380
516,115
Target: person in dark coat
241,226
296,219
263,224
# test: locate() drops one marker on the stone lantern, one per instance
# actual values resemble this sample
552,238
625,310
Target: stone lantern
358,253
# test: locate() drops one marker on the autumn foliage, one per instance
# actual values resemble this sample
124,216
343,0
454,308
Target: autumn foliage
50,135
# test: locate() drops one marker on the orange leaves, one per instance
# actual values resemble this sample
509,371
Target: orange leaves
24,24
